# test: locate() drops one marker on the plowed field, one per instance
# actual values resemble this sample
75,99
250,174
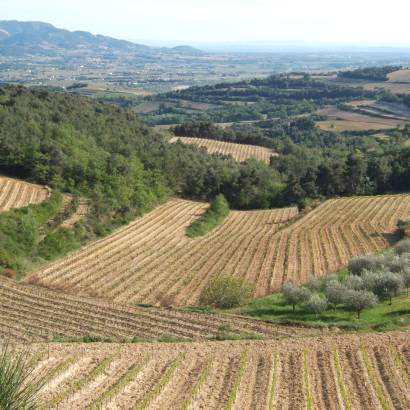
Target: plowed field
152,261
345,372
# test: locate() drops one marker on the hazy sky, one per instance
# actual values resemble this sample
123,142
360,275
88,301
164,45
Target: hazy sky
372,21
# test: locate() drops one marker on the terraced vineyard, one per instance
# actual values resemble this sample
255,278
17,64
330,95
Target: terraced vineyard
18,194
240,152
29,313
345,372
152,261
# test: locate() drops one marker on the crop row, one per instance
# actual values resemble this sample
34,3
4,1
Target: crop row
240,152
18,194
327,373
152,261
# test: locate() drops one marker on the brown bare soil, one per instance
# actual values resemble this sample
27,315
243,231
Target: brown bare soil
240,152
30,313
152,261
19,194
167,375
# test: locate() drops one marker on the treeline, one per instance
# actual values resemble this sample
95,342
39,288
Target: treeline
343,170
369,73
107,154
277,96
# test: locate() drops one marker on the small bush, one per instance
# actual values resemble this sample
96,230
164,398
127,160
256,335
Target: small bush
226,292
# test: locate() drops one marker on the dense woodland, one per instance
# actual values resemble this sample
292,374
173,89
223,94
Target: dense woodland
369,73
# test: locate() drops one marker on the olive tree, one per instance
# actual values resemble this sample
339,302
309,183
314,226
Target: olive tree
316,304
295,295
360,264
405,275
353,282
335,292
383,284
359,299
402,247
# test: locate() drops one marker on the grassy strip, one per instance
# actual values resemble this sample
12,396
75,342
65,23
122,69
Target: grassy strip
340,379
235,388
57,399
150,397
202,378
118,385
274,380
399,364
214,215
373,379
306,381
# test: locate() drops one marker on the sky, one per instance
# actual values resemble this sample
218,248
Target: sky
376,22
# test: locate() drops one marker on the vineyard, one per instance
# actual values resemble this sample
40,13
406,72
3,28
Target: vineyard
29,313
152,261
240,152
19,194
343,372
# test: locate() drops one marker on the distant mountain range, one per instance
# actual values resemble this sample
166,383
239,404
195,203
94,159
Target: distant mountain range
24,39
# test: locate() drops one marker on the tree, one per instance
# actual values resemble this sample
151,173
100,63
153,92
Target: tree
295,295
359,300
335,292
359,264
405,275
226,292
383,284
353,282
316,304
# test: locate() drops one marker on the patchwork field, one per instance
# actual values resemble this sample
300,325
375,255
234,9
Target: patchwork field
18,194
29,313
240,152
350,121
152,261
329,373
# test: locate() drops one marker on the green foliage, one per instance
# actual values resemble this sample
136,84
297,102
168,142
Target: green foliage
226,292
369,73
316,304
402,247
20,229
295,295
19,387
213,216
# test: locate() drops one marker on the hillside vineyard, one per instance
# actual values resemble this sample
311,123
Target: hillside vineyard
240,152
19,194
329,373
29,313
152,261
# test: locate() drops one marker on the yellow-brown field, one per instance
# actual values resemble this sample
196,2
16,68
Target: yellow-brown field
351,121
152,261
19,194
240,152
368,372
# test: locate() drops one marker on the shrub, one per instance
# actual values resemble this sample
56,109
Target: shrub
215,214
359,300
19,388
295,295
361,263
316,304
402,247
226,292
